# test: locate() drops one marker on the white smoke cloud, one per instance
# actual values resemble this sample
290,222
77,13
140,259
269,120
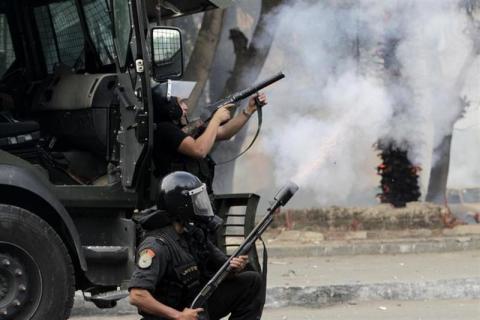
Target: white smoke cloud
341,96
465,140
437,69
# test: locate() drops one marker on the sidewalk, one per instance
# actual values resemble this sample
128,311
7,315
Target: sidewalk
298,243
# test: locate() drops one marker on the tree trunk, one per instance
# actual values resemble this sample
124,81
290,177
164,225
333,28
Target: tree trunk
437,185
201,60
248,65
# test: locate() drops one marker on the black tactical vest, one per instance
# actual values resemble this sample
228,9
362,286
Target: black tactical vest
179,290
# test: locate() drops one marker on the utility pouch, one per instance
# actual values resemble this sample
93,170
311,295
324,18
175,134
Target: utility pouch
189,275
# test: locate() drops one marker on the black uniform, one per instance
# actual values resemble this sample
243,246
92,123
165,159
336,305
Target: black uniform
173,268
168,137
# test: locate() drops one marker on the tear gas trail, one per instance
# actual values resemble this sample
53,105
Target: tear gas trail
324,153
326,149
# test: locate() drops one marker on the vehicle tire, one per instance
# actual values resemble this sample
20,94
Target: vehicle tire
36,272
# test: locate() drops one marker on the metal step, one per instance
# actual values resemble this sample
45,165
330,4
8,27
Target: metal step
106,254
107,299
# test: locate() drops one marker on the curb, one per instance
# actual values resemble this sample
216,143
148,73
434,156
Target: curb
377,217
375,247
329,295
277,297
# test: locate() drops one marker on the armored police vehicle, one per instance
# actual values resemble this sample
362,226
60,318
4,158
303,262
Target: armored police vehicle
76,137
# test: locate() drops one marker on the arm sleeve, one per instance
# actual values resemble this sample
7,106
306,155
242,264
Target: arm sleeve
170,135
147,278
218,258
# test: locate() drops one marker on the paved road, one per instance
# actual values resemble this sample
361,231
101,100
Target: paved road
341,270
320,281
381,310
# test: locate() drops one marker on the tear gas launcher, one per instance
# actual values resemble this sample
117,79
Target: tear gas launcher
282,197
193,127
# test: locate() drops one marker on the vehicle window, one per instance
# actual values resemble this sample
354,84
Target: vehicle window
7,54
61,35
453,197
471,195
122,28
100,28
45,30
165,46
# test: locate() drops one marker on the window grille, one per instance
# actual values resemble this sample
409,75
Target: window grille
7,53
100,28
49,47
69,33
60,34
165,50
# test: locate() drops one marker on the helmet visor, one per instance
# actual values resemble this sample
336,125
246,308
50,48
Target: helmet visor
201,202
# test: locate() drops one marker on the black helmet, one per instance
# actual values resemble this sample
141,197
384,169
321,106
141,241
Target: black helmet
165,109
184,197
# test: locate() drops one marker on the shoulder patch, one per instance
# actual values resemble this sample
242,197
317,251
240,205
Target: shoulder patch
145,258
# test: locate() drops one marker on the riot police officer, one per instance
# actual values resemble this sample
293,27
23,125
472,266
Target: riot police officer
174,150
175,259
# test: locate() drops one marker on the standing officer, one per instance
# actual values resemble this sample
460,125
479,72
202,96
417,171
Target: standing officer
175,260
174,150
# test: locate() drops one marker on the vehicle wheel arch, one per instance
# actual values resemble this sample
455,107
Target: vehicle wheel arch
15,196
29,273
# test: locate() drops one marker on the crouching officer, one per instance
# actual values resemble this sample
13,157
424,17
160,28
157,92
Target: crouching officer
175,260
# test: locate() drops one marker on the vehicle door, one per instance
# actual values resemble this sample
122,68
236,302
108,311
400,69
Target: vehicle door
133,136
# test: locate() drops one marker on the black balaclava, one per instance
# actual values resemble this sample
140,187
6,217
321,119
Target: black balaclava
165,109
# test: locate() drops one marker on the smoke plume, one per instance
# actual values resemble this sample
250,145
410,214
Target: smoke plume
359,72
